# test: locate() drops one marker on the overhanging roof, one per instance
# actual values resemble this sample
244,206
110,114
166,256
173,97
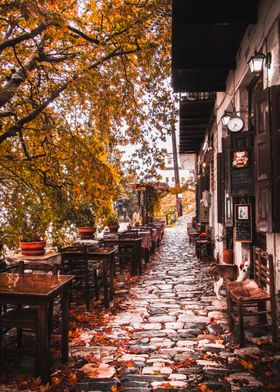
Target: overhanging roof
195,116
205,38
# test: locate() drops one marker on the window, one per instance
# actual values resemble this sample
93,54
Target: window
167,179
173,179
169,161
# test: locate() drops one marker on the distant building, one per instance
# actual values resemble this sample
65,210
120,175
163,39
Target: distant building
186,165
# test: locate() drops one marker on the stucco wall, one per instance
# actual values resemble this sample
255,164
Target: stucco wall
263,37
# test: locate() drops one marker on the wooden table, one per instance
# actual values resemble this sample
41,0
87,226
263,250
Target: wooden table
146,243
135,245
107,255
39,290
49,257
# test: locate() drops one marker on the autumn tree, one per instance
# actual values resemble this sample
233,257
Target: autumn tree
79,78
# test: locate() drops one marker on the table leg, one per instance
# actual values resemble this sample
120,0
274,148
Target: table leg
65,325
112,275
134,261
139,259
43,350
105,282
147,255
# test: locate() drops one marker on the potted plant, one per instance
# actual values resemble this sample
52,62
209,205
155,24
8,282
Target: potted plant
112,222
85,222
33,232
227,240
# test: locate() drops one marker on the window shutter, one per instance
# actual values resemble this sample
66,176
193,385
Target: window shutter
220,187
275,153
197,198
227,162
227,144
263,164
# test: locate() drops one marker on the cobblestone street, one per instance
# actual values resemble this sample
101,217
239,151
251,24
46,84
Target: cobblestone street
172,334
166,330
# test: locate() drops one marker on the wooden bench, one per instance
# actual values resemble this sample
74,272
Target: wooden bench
254,299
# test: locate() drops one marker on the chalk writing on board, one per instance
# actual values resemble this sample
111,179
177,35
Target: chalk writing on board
243,223
242,182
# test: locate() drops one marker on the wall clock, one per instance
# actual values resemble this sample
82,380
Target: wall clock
235,124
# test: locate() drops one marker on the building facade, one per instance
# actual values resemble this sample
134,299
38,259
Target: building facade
238,163
186,167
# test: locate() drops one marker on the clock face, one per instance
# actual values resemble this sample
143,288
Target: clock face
235,124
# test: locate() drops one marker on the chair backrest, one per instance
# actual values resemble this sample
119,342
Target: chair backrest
208,233
264,270
74,260
37,266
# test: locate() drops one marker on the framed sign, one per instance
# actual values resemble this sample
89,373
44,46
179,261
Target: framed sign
242,212
242,176
243,223
240,159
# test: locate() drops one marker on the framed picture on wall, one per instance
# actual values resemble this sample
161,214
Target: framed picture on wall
242,212
243,223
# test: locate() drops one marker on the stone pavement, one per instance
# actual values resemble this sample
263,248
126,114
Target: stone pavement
166,331
172,334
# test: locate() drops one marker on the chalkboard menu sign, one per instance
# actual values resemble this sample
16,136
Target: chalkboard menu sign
243,223
242,182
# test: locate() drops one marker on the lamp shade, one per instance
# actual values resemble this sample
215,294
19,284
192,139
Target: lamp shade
256,63
226,117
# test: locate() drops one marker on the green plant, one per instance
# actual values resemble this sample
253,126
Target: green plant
112,220
34,221
84,216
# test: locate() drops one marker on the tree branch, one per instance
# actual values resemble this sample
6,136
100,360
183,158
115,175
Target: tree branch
15,129
8,91
6,114
33,33
83,35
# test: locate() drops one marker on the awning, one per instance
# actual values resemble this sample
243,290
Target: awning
195,115
206,36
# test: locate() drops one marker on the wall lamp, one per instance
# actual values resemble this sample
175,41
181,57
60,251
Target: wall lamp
257,61
226,117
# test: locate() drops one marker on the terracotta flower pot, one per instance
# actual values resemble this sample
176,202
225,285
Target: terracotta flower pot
86,232
32,248
113,228
228,256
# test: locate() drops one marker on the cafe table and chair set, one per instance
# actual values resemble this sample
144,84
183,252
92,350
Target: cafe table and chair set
30,285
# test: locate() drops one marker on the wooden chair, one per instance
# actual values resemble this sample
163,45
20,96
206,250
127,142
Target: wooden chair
254,298
74,261
204,246
26,318
104,272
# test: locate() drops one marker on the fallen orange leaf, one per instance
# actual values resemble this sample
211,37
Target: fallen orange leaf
246,364
56,381
204,388
73,379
